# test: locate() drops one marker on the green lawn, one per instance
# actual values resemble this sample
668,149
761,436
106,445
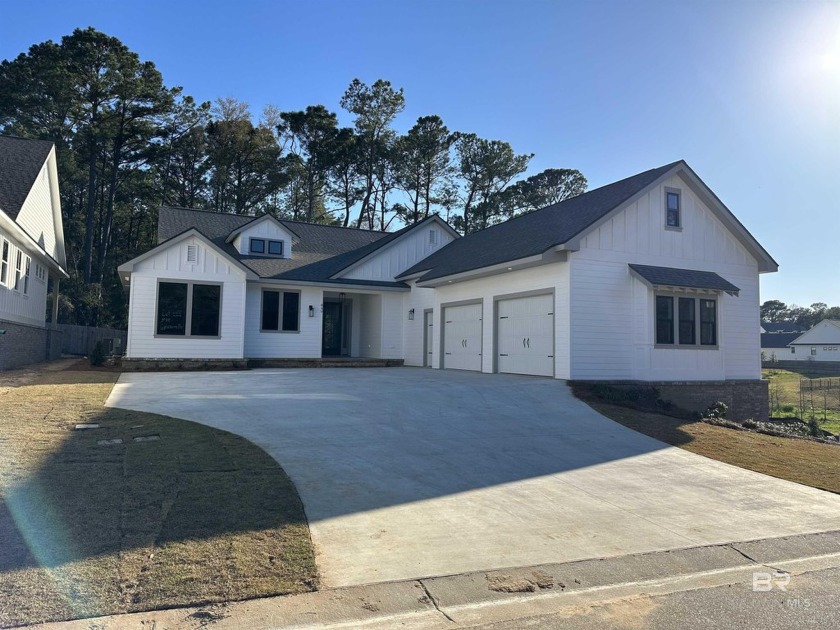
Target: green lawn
803,461
92,527
824,405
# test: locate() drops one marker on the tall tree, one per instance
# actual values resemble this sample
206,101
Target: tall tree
244,160
311,136
486,167
344,183
421,162
551,186
375,107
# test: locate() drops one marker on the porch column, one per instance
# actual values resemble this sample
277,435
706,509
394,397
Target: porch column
56,283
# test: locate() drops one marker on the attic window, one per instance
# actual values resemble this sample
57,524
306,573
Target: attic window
192,253
433,237
673,209
266,247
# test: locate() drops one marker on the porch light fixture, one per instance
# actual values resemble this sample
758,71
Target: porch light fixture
411,313
311,311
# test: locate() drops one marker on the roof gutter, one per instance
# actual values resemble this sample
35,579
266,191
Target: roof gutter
330,285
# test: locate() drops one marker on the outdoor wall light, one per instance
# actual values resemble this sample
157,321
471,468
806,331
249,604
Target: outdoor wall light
311,311
411,313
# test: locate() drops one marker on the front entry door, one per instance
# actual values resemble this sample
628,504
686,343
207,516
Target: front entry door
331,339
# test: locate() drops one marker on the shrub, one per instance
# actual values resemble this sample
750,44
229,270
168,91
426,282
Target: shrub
97,357
718,410
814,428
788,408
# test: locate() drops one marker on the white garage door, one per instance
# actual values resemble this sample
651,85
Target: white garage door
462,337
526,335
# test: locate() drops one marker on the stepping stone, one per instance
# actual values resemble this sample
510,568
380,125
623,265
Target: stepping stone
83,427
147,438
109,442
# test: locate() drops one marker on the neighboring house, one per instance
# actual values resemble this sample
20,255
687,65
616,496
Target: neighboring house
782,327
32,258
774,345
820,343
649,279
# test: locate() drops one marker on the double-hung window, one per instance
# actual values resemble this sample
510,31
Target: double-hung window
4,263
18,270
280,311
188,309
26,274
686,321
673,208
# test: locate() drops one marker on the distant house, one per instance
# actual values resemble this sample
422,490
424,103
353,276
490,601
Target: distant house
648,279
821,343
31,251
774,345
782,327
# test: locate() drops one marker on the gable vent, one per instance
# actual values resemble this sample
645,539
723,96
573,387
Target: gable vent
192,253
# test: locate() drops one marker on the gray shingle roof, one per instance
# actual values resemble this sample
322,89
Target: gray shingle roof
534,233
778,340
783,327
318,251
688,278
21,160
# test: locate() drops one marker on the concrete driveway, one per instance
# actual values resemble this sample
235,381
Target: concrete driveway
411,472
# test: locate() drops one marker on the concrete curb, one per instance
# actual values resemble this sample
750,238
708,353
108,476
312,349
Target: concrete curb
499,595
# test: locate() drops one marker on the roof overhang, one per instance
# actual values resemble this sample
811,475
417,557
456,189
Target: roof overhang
673,279
127,268
546,258
11,227
340,286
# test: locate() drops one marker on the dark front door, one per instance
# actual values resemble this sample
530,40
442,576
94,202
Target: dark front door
331,341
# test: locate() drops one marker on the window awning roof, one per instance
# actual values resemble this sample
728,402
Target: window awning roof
683,278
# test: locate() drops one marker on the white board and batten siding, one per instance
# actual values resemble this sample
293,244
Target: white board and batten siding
403,253
37,214
171,264
612,321
552,278
16,306
420,300
266,229
304,344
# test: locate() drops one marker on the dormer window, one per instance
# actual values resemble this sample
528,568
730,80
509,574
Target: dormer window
266,247
673,209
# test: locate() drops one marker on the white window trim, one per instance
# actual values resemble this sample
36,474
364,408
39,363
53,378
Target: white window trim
676,323
678,192
188,323
4,242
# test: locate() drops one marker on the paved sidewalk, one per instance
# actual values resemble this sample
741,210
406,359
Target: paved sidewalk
485,597
409,472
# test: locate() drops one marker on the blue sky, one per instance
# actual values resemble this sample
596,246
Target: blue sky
747,92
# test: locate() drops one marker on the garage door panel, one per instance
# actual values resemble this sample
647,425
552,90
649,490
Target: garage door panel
462,337
525,335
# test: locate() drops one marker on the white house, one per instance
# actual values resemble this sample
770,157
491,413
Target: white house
32,258
649,279
820,343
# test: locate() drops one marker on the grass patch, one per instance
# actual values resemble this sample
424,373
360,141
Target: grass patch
803,461
823,405
196,516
